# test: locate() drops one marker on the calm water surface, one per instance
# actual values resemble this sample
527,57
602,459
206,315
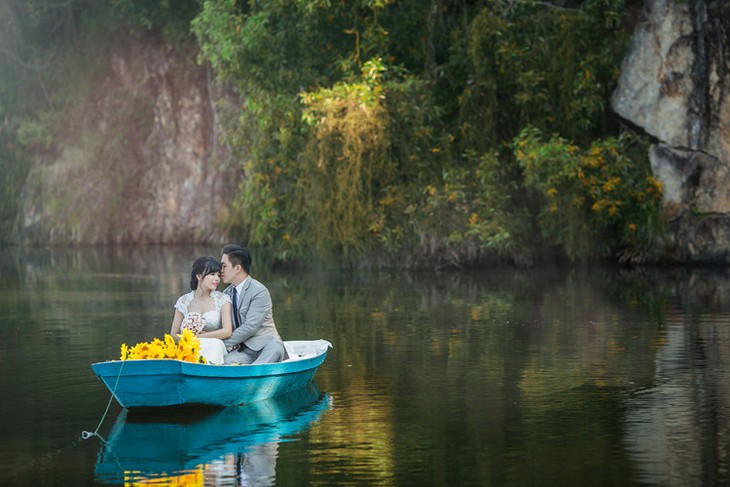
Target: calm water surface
489,378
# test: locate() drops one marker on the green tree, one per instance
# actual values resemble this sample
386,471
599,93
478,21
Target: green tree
596,200
414,158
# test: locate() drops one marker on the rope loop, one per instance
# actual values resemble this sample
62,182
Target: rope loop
85,435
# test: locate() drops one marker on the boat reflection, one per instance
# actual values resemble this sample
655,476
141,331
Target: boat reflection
233,446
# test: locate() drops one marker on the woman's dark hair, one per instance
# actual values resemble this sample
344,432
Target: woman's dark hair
238,255
202,267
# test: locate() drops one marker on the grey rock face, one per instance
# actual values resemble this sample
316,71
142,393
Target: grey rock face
673,85
138,161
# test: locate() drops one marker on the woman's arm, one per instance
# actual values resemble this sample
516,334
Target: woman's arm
176,322
226,326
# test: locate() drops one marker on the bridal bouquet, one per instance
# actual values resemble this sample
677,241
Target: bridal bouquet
193,322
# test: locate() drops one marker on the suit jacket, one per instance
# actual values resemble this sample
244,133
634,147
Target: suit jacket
256,317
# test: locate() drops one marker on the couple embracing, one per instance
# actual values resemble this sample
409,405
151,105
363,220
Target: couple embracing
236,325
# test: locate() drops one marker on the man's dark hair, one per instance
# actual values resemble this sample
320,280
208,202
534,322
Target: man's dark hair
238,255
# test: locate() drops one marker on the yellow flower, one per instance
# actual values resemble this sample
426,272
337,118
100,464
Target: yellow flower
611,184
598,205
187,349
170,346
142,350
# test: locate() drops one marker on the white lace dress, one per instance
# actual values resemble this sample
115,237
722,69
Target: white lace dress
211,348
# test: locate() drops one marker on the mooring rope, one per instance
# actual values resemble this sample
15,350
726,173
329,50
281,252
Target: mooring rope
88,434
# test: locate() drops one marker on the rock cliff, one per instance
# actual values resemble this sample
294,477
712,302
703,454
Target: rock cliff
138,161
674,85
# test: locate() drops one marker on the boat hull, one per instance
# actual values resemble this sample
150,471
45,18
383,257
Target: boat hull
173,383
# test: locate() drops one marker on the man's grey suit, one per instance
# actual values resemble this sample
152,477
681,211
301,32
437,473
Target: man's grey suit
257,330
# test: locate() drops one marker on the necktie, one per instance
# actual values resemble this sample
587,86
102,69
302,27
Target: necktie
234,308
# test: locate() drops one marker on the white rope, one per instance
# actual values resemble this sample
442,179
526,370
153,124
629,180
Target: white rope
85,435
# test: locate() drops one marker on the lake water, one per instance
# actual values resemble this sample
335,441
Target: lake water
485,378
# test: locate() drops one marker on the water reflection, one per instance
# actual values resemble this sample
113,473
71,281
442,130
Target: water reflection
232,446
678,430
491,377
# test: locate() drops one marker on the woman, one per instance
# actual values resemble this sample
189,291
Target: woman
205,310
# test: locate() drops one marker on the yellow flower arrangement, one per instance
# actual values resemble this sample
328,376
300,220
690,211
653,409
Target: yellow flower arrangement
186,349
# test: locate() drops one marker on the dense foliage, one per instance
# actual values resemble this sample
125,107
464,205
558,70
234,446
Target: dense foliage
446,131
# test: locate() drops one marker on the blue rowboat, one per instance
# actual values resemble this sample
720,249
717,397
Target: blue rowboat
153,383
157,445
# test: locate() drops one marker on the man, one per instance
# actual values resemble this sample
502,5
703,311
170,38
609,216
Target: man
255,339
